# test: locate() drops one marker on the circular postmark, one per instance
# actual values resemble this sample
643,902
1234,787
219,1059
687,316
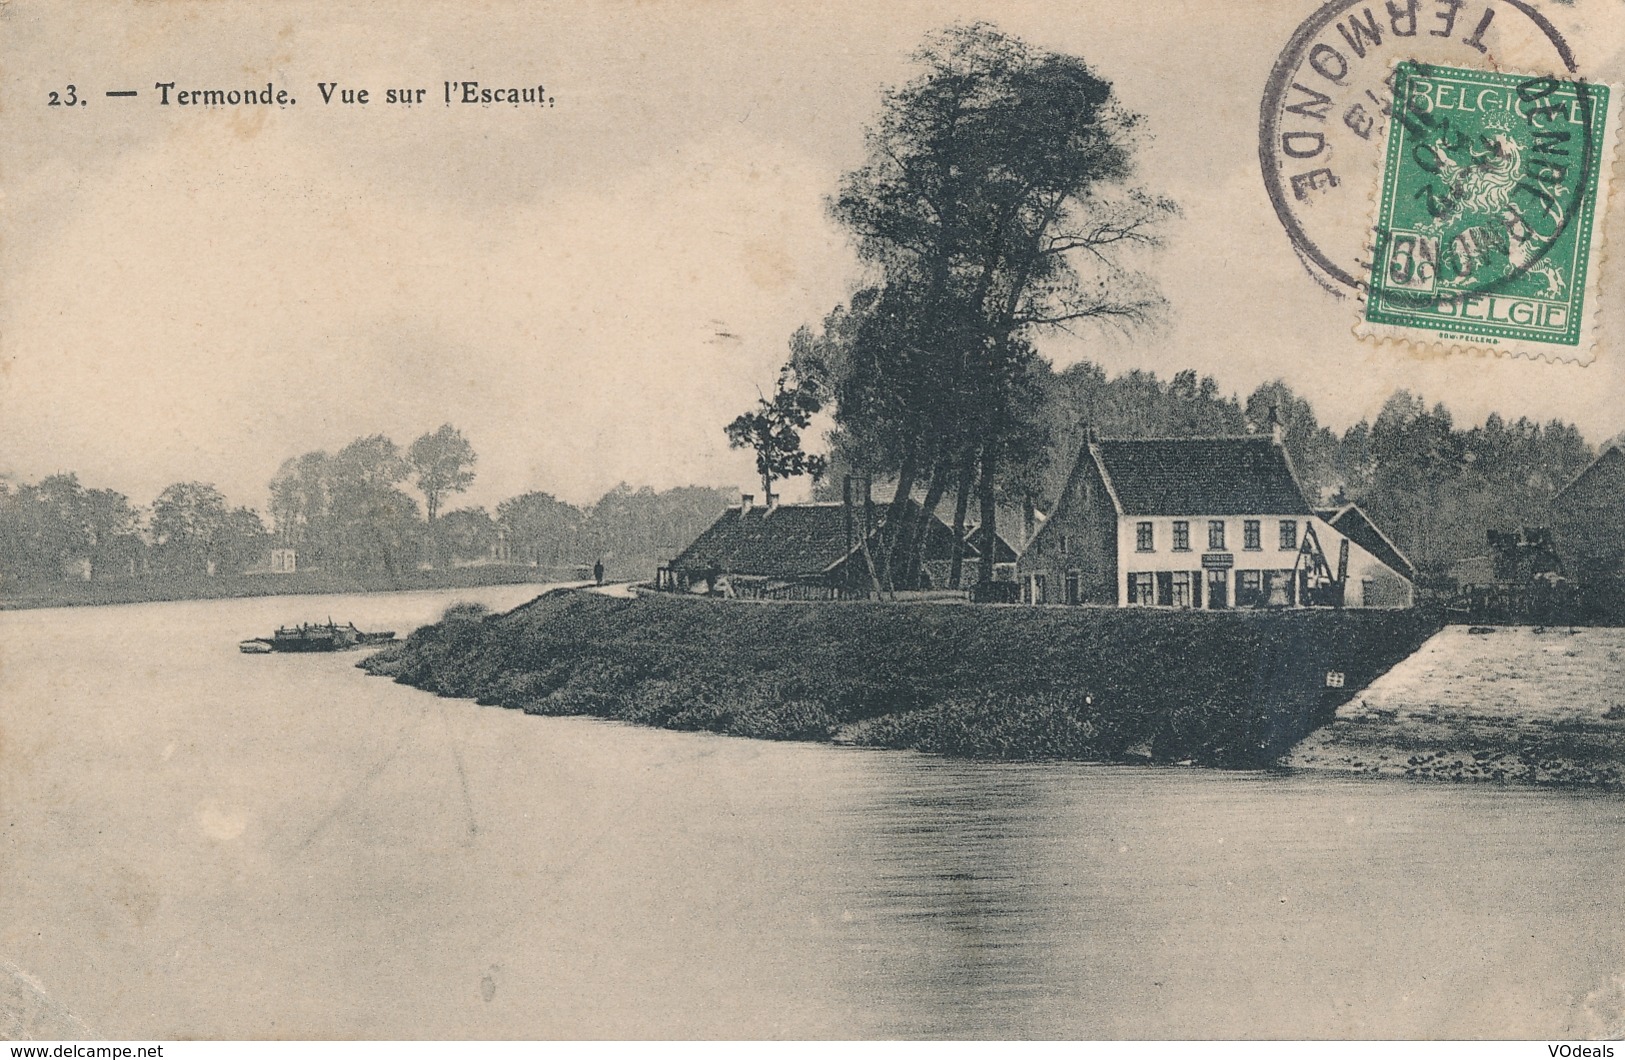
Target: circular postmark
1323,120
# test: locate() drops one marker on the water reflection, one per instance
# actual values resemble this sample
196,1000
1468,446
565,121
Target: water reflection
202,843
1075,901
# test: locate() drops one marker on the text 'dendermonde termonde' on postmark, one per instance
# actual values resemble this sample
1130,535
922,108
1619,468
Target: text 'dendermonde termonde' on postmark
1447,164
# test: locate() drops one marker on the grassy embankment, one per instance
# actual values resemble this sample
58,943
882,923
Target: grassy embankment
1508,704
993,682
302,583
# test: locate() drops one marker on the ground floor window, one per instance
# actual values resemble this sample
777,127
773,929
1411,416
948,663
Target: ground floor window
1072,587
1280,588
1267,588
1166,588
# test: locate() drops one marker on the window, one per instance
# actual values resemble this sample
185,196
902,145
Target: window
1280,588
1139,589
1039,596
1251,535
1182,536
1143,541
1215,535
1249,588
1181,589
1289,534
1063,544
1072,587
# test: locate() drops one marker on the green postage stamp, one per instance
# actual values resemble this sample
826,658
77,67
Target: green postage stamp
1492,191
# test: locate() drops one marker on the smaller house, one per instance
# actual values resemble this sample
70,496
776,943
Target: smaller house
1588,518
1004,554
817,551
1377,573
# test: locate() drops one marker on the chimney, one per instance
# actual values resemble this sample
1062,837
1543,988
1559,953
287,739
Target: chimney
1277,428
854,487
746,502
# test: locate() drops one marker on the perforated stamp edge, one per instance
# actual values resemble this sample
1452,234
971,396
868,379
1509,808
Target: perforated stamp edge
1424,343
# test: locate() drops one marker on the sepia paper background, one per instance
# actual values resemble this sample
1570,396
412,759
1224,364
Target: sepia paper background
590,291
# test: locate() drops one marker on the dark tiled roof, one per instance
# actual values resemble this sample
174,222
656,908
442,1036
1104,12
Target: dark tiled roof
1611,453
1355,525
1003,553
1202,476
791,540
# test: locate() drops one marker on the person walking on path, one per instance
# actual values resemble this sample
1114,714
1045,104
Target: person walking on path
598,572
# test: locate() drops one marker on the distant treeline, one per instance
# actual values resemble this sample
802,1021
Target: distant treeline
347,514
1434,486
57,529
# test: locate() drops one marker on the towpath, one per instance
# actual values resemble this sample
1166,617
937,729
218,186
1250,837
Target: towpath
1503,703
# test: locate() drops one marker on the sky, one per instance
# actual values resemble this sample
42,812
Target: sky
590,290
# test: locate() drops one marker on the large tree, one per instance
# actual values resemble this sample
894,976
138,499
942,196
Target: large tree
194,531
442,462
772,430
58,528
541,529
1312,448
468,534
302,508
995,202
375,522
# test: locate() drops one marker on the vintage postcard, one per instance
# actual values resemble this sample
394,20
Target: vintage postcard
649,519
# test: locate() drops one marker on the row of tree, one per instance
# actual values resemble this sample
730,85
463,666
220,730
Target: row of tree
57,528
345,512
349,511
997,203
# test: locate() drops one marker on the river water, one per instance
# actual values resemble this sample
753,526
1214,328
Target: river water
199,843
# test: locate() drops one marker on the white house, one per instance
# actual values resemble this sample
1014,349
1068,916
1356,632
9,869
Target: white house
1211,523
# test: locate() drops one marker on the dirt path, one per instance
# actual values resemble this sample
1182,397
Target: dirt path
1513,704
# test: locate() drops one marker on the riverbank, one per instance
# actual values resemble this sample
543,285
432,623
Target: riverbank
1507,704
1231,689
158,589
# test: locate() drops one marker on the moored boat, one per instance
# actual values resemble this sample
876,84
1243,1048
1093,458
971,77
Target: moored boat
312,637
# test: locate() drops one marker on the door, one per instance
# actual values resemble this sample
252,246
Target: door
1218,589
